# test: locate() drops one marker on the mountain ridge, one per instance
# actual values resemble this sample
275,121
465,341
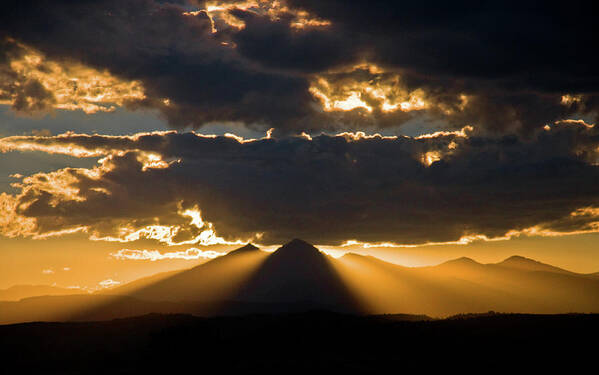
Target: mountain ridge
520,262
20,291
299,277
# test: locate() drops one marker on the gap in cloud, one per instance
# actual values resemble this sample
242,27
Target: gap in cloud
16,164
119,122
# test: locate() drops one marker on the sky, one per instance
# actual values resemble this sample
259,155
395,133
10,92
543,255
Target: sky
143,136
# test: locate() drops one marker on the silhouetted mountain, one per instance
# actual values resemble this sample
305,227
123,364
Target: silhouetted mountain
81,307
90,307
463,262
154,287
216,280
140,284
464,285
298,273
249,248
373,260
17,292
527,264
298,277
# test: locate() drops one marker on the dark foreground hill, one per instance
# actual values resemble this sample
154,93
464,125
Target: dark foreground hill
313,342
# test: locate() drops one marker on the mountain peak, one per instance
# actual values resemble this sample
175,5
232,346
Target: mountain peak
298,242
249,247
351,255
298,273
245,249
296,245
462,260
296,250
519,258
527,264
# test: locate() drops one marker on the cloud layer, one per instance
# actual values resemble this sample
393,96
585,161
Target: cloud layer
154,255
186,188
312,65
523,75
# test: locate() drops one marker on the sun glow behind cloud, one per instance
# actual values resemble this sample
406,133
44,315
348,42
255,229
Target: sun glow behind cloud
366,87
36,83
154,255
221,18
537,230
167,234
60,186
184,225
108,283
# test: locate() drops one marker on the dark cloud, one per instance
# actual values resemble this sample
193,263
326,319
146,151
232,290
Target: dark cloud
476,39
517,58
175,56
326,190
514,61
27,94
276,45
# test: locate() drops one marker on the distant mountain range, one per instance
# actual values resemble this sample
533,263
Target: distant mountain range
17,292
298,277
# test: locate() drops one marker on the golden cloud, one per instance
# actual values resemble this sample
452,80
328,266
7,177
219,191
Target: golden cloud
11,223
31,82
221,18
65,185
568,99
537,230
366,87
154,255
108,283
81,145
167,234
61,186
138,192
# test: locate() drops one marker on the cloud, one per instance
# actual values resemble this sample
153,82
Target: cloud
185,70
198,189
154,255
295,65
108,283
513,63
11,223
30,84
48,271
